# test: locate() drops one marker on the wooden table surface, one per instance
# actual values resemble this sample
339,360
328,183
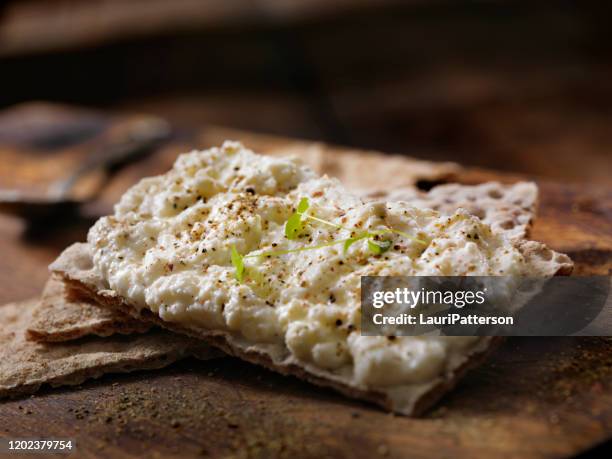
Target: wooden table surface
535,398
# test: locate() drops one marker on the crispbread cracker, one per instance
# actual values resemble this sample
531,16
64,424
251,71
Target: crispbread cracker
57,318
26,365
369,169
354,168
76,267
508,209
404,395
416,404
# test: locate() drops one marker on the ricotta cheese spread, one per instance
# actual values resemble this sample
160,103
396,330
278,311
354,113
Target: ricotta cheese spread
167,247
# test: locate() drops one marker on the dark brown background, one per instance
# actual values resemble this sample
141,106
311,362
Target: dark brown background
515,85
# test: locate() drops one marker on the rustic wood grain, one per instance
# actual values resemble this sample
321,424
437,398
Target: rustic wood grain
536,398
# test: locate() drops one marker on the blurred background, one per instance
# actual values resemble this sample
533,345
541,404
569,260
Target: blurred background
513,85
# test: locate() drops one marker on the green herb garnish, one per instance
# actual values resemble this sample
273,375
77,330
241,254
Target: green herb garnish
238,262
295,225
378,247
303,205
348,243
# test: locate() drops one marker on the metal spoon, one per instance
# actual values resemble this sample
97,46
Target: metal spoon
131,141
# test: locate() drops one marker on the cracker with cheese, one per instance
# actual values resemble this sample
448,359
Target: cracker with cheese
262,258
507,209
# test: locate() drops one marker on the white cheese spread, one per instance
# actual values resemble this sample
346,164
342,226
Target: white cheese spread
167,248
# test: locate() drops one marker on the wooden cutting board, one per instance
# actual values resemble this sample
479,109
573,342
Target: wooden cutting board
549,397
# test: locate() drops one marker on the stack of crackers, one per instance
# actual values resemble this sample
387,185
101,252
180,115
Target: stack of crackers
63,338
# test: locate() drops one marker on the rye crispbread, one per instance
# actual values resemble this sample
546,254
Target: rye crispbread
76,268
508,209
359,169
355,168
57,317
26,365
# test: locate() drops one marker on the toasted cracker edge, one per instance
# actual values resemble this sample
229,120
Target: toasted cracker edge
30,365
58,318
227,343
75,267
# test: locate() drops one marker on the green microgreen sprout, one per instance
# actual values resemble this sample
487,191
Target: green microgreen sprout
303,205
378,247
277,253
295,222
295,225
350,241
238,262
